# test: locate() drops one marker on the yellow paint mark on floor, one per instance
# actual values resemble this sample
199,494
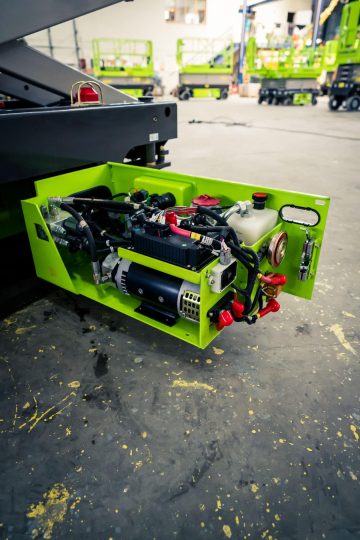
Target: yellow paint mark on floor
48,414
282,441
251,412
227,531
208,361
195,385
124,446
339,333
254,488
22,330
144,434
9,322
74,384
51,510
354,432
277,517
218,504
353,476
309,449
339,434
237,520
218,351
347,314
67,432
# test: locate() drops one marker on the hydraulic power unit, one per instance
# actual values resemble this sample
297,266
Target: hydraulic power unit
345,88
205,67
187,255
288,76
126,64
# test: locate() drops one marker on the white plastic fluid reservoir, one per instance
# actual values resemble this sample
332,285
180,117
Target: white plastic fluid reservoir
249,227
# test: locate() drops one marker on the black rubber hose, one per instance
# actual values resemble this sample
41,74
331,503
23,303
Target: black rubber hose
220,220
115,206
85,228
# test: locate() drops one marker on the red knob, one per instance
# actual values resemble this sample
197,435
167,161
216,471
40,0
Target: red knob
225,319
271,307
237,308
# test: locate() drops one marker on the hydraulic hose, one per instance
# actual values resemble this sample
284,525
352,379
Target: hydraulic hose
90,238
220,220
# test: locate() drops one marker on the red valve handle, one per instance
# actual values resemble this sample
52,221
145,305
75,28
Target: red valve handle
274,279
225,319
271,307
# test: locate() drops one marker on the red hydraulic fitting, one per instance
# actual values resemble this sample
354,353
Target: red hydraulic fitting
274,279
225,319
237,308
271,307
170,217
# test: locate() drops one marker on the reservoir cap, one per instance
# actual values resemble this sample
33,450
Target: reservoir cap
259,199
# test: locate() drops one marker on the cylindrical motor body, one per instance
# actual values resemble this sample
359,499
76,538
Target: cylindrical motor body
168,292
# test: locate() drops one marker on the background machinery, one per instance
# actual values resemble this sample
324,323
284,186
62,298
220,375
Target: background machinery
126,64
345,88
205,67
288,76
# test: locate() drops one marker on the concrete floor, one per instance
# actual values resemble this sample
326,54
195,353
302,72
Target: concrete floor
96,440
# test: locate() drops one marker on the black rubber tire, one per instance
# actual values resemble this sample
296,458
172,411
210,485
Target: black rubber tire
276,101
353,103
184,95
314,100
288,101
148,93
334,103
269,100
224,94
260,100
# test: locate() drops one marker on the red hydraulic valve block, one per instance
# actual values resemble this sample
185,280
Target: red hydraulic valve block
271,307
225,319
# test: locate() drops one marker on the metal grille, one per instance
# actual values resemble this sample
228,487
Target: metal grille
190,306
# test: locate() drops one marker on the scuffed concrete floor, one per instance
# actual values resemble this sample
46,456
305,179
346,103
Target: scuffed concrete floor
99,441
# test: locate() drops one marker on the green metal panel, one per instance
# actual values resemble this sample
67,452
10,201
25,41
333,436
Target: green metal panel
349,39
284,63
122,58
73,272
302,99
207,92
200,55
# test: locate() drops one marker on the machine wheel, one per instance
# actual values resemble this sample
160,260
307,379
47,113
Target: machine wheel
269,100
353,103
260,100
276,101
148,93
288,101
334,103
224,94
313,100
184,95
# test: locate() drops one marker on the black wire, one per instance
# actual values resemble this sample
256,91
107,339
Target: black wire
85,228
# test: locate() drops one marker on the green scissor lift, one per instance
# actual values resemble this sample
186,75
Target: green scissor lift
205,67
126,64
288,76
345,89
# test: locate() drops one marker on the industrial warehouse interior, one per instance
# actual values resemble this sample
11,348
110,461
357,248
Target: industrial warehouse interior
179,315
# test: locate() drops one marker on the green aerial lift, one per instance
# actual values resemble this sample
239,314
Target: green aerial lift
126,64
329,65
345,89
205,67
288,76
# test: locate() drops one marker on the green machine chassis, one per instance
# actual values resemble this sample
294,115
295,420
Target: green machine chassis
288,76
345,89
126,64
72,271
205,67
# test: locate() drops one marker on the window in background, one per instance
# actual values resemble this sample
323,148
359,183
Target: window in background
185,11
